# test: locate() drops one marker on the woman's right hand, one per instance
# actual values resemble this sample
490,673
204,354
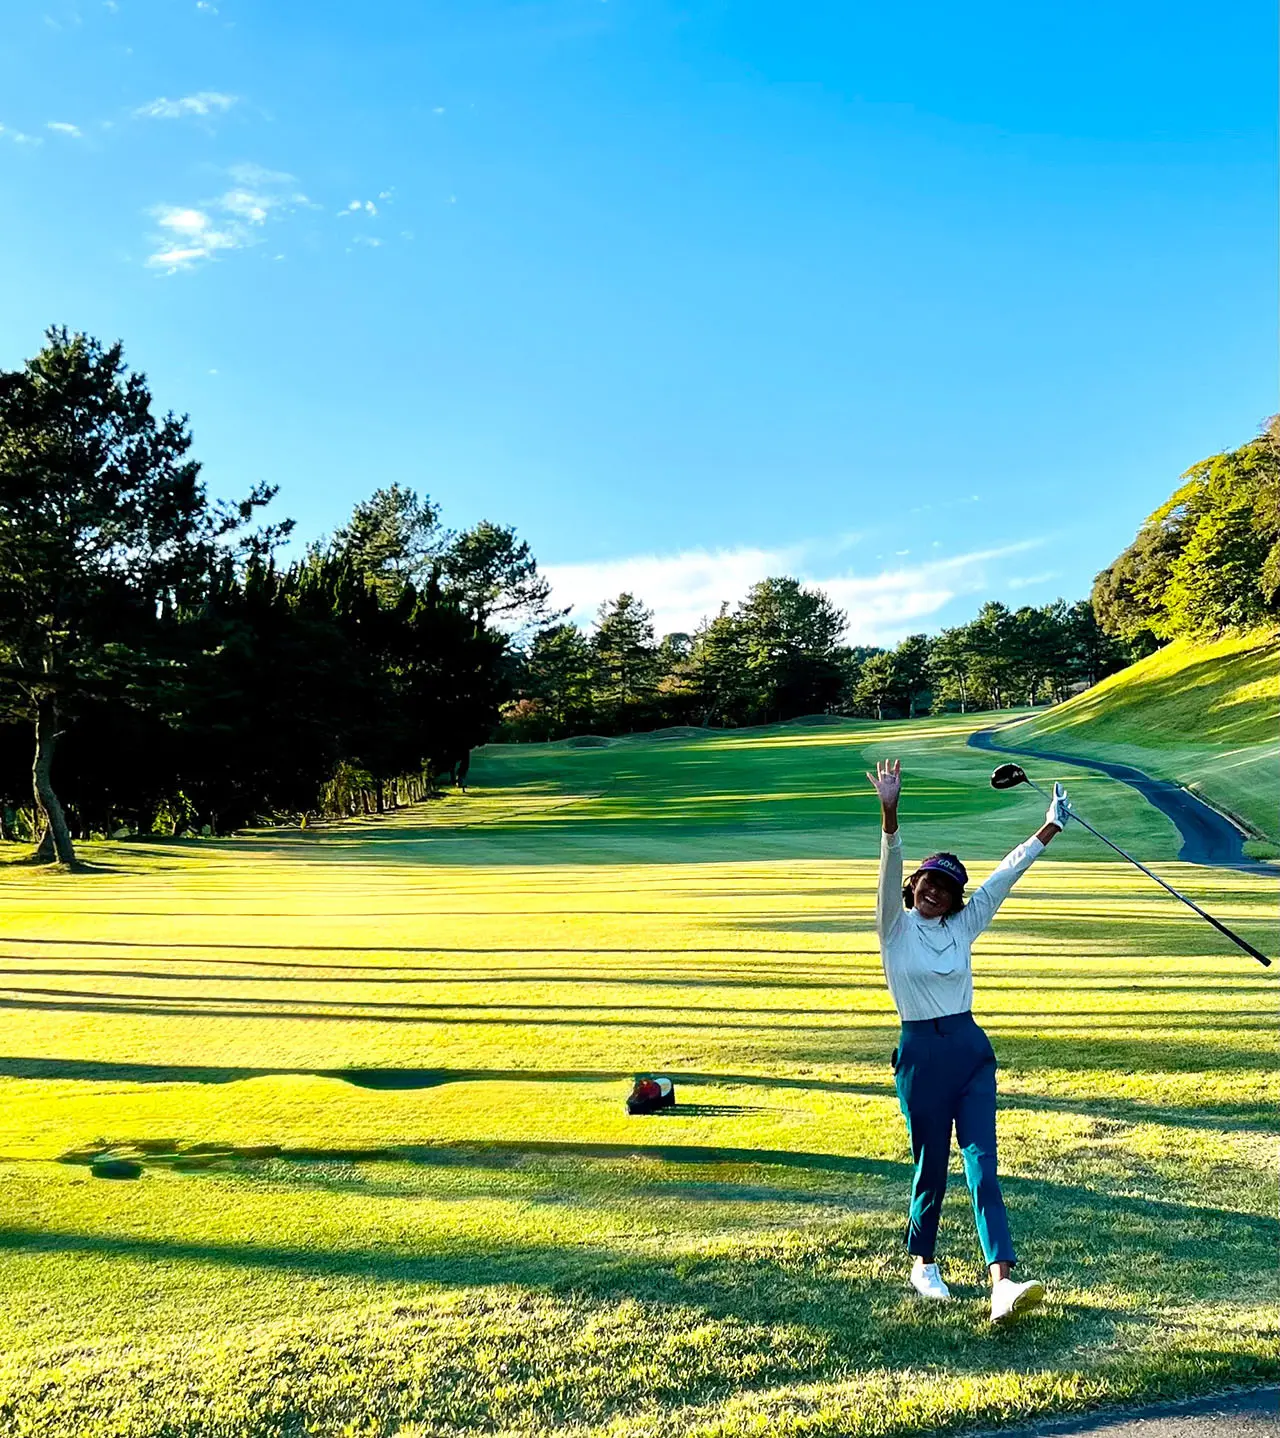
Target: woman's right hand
887,781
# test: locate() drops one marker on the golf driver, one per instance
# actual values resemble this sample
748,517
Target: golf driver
1009,776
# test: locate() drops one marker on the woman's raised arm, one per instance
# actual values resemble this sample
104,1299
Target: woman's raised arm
887,782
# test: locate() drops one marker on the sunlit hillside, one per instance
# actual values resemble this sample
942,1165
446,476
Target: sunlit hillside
1206,715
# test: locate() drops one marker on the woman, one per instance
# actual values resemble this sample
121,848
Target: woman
943,1068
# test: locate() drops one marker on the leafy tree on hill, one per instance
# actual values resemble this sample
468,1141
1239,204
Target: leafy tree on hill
1208,559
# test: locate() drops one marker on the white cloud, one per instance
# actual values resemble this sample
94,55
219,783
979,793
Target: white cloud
183,222
682,589
60,127
206,102
18,137
359,207
1025,581
190,234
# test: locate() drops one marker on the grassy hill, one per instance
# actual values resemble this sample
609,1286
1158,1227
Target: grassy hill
372,1078
1205,715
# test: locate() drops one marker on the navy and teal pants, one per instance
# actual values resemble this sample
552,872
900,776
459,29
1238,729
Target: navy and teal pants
945,1073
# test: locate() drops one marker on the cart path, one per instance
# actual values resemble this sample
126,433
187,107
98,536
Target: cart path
1207,837
1251,1413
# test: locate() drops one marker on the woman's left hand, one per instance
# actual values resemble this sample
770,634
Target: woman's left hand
1059,811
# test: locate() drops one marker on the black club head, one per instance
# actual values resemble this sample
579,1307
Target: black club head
1008,776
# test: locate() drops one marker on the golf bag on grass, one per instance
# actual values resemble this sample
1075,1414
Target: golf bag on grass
648,1095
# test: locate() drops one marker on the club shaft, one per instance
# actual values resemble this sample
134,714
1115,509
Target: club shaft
1217,924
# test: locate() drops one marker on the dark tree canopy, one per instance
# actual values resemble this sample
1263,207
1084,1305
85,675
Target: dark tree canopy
105,534
183,678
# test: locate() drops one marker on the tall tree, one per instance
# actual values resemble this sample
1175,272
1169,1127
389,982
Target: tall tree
949,662
911,665
494,576
879,685
993,644
392,539
717,670
623,648
105,529
790,639
558,671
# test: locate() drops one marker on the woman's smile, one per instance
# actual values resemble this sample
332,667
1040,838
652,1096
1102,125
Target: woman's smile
934,897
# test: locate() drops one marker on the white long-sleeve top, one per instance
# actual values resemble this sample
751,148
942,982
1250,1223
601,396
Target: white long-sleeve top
927,962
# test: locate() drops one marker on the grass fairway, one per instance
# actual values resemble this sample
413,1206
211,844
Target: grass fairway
1206,715
373,1077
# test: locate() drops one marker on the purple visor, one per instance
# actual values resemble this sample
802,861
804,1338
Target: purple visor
946,864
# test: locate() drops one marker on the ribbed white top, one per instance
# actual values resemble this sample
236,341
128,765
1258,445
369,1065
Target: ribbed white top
927,962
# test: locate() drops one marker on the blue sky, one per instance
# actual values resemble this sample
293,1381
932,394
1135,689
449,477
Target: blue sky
929,304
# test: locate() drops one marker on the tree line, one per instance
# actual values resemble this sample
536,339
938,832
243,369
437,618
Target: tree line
1206,561
159,669
780,654
162,669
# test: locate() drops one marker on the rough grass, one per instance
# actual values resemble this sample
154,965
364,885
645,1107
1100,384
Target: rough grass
1204,714
373,1079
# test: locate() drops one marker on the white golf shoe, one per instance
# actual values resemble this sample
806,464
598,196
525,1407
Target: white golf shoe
1010,1299
927,1281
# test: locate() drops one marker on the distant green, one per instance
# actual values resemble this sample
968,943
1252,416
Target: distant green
374,1077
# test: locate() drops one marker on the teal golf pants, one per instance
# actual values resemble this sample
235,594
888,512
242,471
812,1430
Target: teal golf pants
945,1073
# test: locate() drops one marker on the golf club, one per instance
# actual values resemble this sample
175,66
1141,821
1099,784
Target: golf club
1009,776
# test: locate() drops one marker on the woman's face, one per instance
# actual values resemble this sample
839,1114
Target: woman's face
935,898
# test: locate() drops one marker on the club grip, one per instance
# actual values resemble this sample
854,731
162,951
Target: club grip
1236,939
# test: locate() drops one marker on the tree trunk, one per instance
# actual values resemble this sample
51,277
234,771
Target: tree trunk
56,843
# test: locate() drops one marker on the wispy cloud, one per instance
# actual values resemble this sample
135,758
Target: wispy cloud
234,220
61,127
200,105
18,137
684,588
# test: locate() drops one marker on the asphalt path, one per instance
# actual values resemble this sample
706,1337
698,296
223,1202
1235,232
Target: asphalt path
1207,837
1251,1413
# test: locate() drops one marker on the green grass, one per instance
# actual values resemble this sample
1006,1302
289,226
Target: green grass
1206,715
374,1078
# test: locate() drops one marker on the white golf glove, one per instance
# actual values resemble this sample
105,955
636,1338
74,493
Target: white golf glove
1058,813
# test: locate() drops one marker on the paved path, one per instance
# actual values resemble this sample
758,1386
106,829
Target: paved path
1254,1413
1207,837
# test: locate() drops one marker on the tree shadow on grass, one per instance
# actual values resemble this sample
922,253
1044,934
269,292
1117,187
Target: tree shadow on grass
842,1277
1242,1116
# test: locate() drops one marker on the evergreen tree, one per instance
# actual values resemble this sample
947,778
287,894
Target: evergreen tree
790,641
105,530
625,658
